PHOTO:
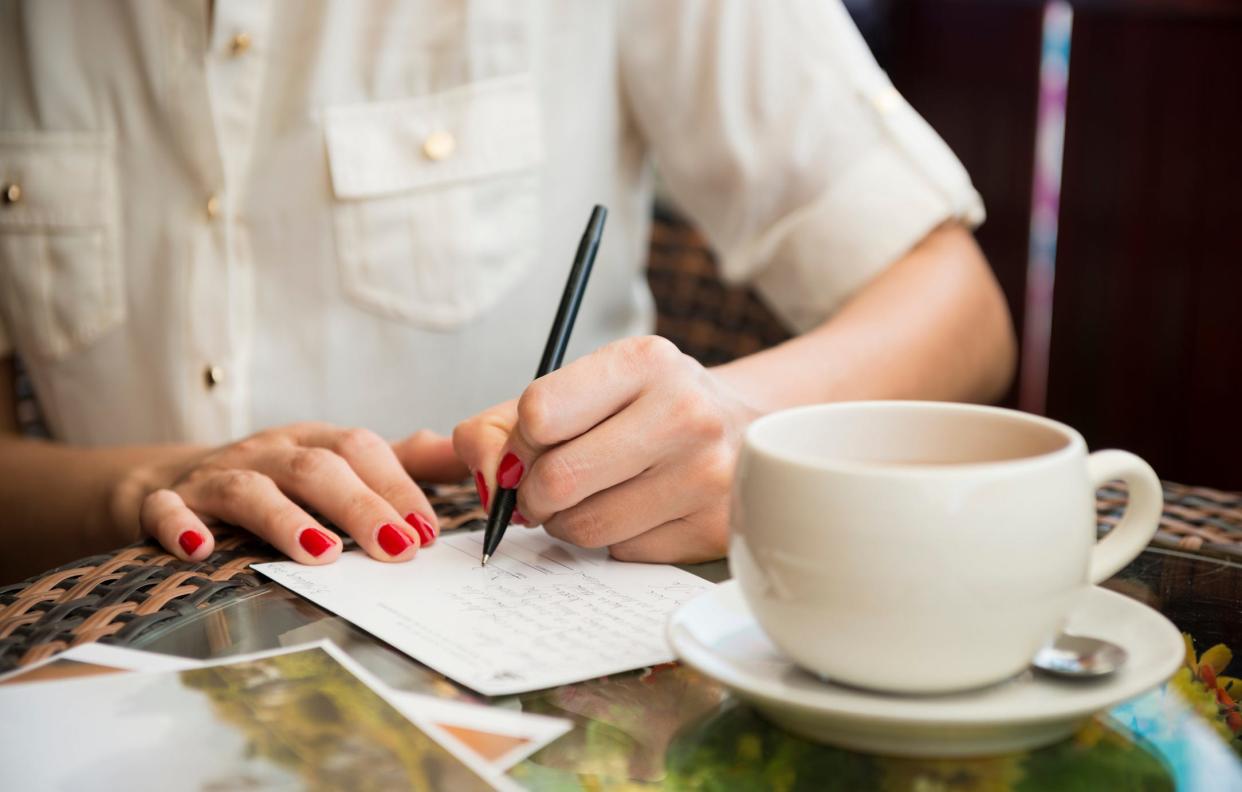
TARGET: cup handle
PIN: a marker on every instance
(1142, 515)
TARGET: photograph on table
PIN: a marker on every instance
(91, 659)
(291, 719)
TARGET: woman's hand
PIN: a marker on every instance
(266, 482)
(632, 448)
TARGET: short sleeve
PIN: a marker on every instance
(775, 130)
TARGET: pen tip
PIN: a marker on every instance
(485, 557)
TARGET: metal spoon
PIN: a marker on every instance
(1079, 657)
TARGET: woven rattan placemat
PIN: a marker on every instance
(118, 597)
(1195, 518)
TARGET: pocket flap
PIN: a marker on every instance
(63, 180)
(470, 132)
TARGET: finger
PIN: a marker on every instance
(428, 456)
(165, 517)
(251, 500)
(680, 541)
(569, 402)
(479, 441)
(326, 482)
(616, 451)
(373, 460)
(621, 512)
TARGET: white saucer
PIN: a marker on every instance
(716, 634)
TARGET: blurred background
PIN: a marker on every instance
(1106, 139)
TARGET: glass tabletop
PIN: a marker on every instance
(669, 727)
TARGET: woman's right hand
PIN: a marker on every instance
(266, 482)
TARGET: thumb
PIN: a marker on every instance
(428, 456)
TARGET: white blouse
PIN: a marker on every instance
(220, 217)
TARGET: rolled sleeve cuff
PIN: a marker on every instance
(808, 264)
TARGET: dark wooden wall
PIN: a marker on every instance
(1147, 324)
(971, 68)
(1147, 318)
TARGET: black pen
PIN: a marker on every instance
(553, 354)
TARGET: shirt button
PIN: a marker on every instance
(240, 43)
(439, 146)
(213, 207)
(213, 376)
(12, 193)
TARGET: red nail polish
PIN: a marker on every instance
(480, 484)
(190, 541)
(518, 518)
(314, 541)
(426, 533)
(509, 474)
(394, 541)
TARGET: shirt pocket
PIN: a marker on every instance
(436, 211)
(61, 283)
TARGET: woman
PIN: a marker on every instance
(230, 236)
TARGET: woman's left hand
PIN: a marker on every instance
(631, 448)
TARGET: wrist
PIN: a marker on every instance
(756, 394)
(124, 493)
(129, 483)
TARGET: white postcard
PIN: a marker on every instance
(542, 613)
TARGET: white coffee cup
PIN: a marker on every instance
(924, 547)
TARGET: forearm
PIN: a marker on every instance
(60, 502)
(57, 500)
(933, 326)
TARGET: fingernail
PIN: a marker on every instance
(314, 541)
(480, 484)
(426, 533)
(509, 474)
(518, 518)
(190, 541)
(394, 541)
